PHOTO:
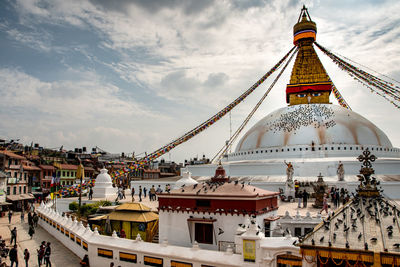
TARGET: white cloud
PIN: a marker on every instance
(197, 58)
(69, 112)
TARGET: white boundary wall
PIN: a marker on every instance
(76, 237)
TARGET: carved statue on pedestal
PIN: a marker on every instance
(340, 171)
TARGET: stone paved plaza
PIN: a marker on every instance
(60, 255)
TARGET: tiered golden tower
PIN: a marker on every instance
(309, 82)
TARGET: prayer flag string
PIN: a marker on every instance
(383, 88)
(140, 163)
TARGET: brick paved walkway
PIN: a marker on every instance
(60, 255)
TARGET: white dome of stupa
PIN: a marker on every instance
(318, 124)
(185, 180)
(103, 177)
(103, 187)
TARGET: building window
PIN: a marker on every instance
(203, 203)
(63, 174)
(63, 183)
(20, 189)
(14, 190)
(297, 231)
(267, 227)
(203, 233)
(15, 175)
(8, 190)
(67, 174)
(24, 189)
(25, 176)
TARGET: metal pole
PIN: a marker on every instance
(80, 190)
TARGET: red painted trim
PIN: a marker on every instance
(201, 220)
(311, 87)
(219, 206)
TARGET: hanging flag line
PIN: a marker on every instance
(225, 148)
(384, 75)
(388, 85)
(381, 87)
(339, 97)
(139, 164)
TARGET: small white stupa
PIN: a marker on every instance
(185, 180)
(103, 187)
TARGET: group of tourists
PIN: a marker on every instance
(43, 253)
(121, 193)
(303, 196)
(142, 192)
(339, 196)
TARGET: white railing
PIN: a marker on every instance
(102, 250)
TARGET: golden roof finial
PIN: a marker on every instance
(308, 74)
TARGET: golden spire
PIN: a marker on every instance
(309, 82)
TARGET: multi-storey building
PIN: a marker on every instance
(47, 173)
(66, 172)
(17, 181)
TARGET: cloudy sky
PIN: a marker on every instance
(133, 75)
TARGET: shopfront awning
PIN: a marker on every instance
(20, 197)
(5, 203)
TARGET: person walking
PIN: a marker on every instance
(40, 252)
(9, 216)
(144, 192)
(31, 231)
(26, 257)
(305, 198)
(90, 193)
(14, 256)
(123, 193)
(299, 196)
(152, 193)
(35, 219)
(13, 236)
(140, 193)
(47, 254)
(133, 194)
(337, 198)
(30, 217)
(325, 204)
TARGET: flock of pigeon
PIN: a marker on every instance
(369, 223)
(303, 115)
(210, 187)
